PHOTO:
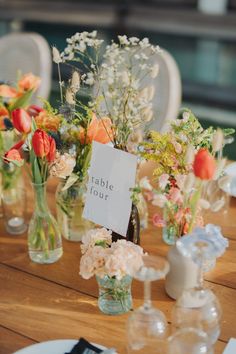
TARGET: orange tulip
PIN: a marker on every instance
(52, 150)
(8, 91)
(41, 143)
(21, 120)
(204, 165)
(29, 82)
(13, 154)
(99, 130)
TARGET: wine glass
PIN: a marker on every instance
(189, 340)
(147, 326)
(199, 307)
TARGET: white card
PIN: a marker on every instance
(230, 347)
(112, 173)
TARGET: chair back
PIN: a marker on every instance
(25, 53)
(168, 91)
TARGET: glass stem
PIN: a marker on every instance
(147, 295)
(200, 275)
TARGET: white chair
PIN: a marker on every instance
(168, 91)
(26, 52)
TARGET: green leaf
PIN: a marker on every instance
(71, 180)
(21, 102)
(16, 163)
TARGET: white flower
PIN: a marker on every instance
(150, 92)
(125, 77)
(186, 116)
(96, 236)
(217, 140)
(189, 183)
(75, 82)
(62, 166)
(159, 200)
(163, 180)
(154, 71)
(190, 154)
(145, 184)
(123, 40)
(56, 55)
(90, 79)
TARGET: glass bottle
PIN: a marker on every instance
(133, 231)
(70, 205)
(44, 237)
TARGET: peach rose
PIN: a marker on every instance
(8, 91)
(62, 166)
(29, 82)
(99, 130)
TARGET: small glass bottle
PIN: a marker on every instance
(44, 237)
(70, 205)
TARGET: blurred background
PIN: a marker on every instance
(200, 35)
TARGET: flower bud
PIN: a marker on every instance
(204, 165)
(41, 143)
(75, 82)
(21, 120)
(217, 140)
(56, 56)
(70, 97)
(52, 150)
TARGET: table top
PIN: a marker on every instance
(46, 302)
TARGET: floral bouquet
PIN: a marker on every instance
(113, 264)
(186, 164)
(113, 78)
(12, 98)
(37, 149)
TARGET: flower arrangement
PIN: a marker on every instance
(13, 98)
(118, 83)
(113, 264)
(186, 164)
(37, 150)
(119, 104)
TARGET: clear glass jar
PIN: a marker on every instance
(13, 199)
(44, 237)
(70, 205)
(114, 295)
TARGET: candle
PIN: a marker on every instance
(15, 222)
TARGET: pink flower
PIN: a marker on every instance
(159, 200)
(175, 195)
(158, 221)
(163, 180)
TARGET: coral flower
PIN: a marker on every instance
(47, 121)
(99, 130)
(8, 91)
(52, 150)
(29, 82)
(41, 143)
(14, 155)
(21, 120)
(204, 165)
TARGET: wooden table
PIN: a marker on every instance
(45, 302)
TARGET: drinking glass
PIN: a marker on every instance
(198, 307)
(189, 341)
(147, 326)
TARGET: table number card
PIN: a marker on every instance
(111, 175)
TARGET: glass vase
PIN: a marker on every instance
(70, 205)
(114, 295)
(13, 199)
(133, 231)
(44, 237)
(170, 231)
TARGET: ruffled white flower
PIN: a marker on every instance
(62, 166)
